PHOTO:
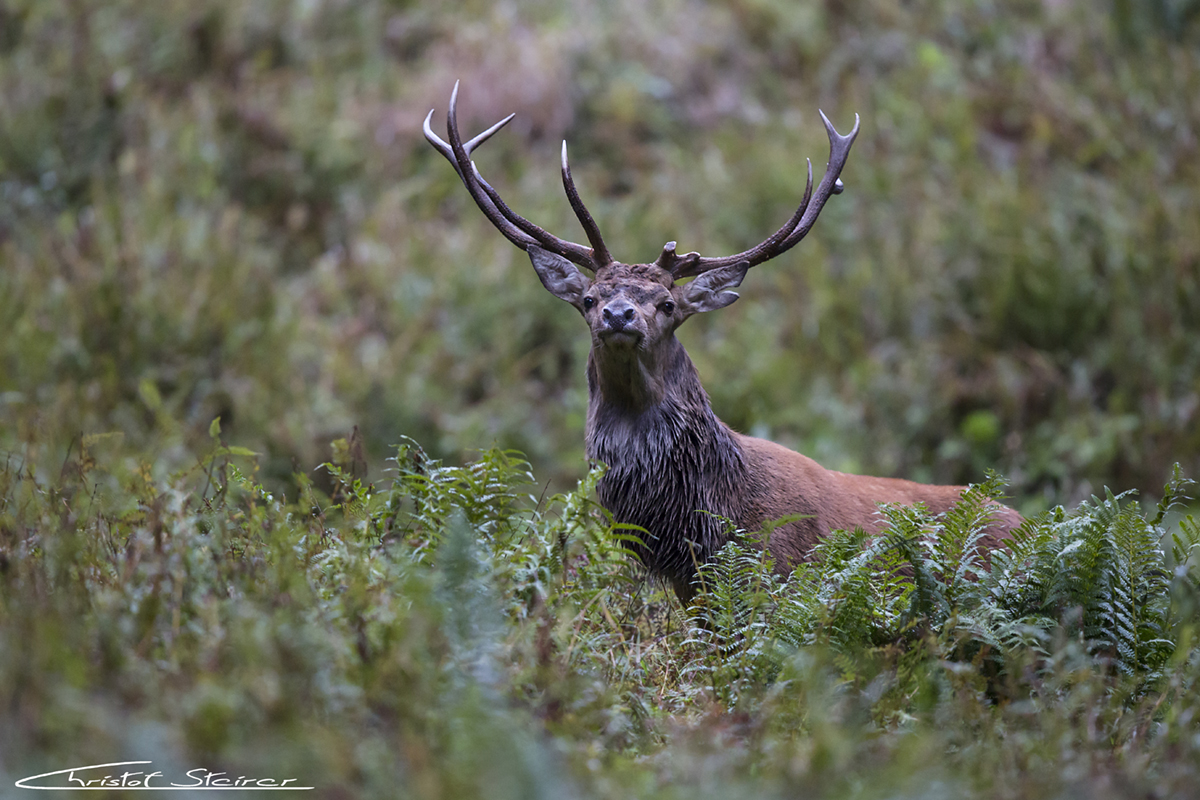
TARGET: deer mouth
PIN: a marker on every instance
(623, 338)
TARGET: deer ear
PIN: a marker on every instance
(710, 290)
(561, 278)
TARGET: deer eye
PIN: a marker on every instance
(588, 302)
(668, 307)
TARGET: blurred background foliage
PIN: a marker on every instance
(212, 209)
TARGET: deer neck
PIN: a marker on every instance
(629, 382)
(628, 379)
(668, 457)
(649, 414)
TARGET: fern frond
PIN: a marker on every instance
(1177, 491)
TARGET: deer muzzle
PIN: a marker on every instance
(619, 315)
(619, 321)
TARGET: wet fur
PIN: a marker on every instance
(670, 459)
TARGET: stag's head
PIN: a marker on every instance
(631, 307)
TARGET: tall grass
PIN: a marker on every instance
(455, 630)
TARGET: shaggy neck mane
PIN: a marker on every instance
(669, 458)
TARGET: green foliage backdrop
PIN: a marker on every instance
(212, 209)
(448, 636)
(224, 245)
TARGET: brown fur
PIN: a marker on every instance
(836, 500)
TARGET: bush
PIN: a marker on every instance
(449, 633)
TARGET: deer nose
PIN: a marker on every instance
(618, 314)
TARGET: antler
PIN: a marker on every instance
(792, 231)
(516, 228)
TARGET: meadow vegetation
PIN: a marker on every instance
(224, 246)
(451, 635)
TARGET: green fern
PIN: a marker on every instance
(926, 585)
(729, 627)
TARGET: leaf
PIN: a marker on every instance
(150, 395)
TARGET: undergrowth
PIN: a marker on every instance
(455, 632)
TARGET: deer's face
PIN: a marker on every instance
(630, 306)
(634, 306)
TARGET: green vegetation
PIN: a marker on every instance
(449, 636)
(226, 211)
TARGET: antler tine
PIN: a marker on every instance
(548, 241)
(599, 250)
(452, 151)
(444, 148)
(793, 230)
(831, 183)
(462, 161)
(515, 228)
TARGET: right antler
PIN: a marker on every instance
(516, 228)
(792, 231)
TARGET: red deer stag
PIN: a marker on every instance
(669, 458)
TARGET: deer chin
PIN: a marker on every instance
(620, 340)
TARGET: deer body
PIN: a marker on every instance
(674, 468)
(669, 458)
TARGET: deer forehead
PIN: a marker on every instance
(642, 282)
